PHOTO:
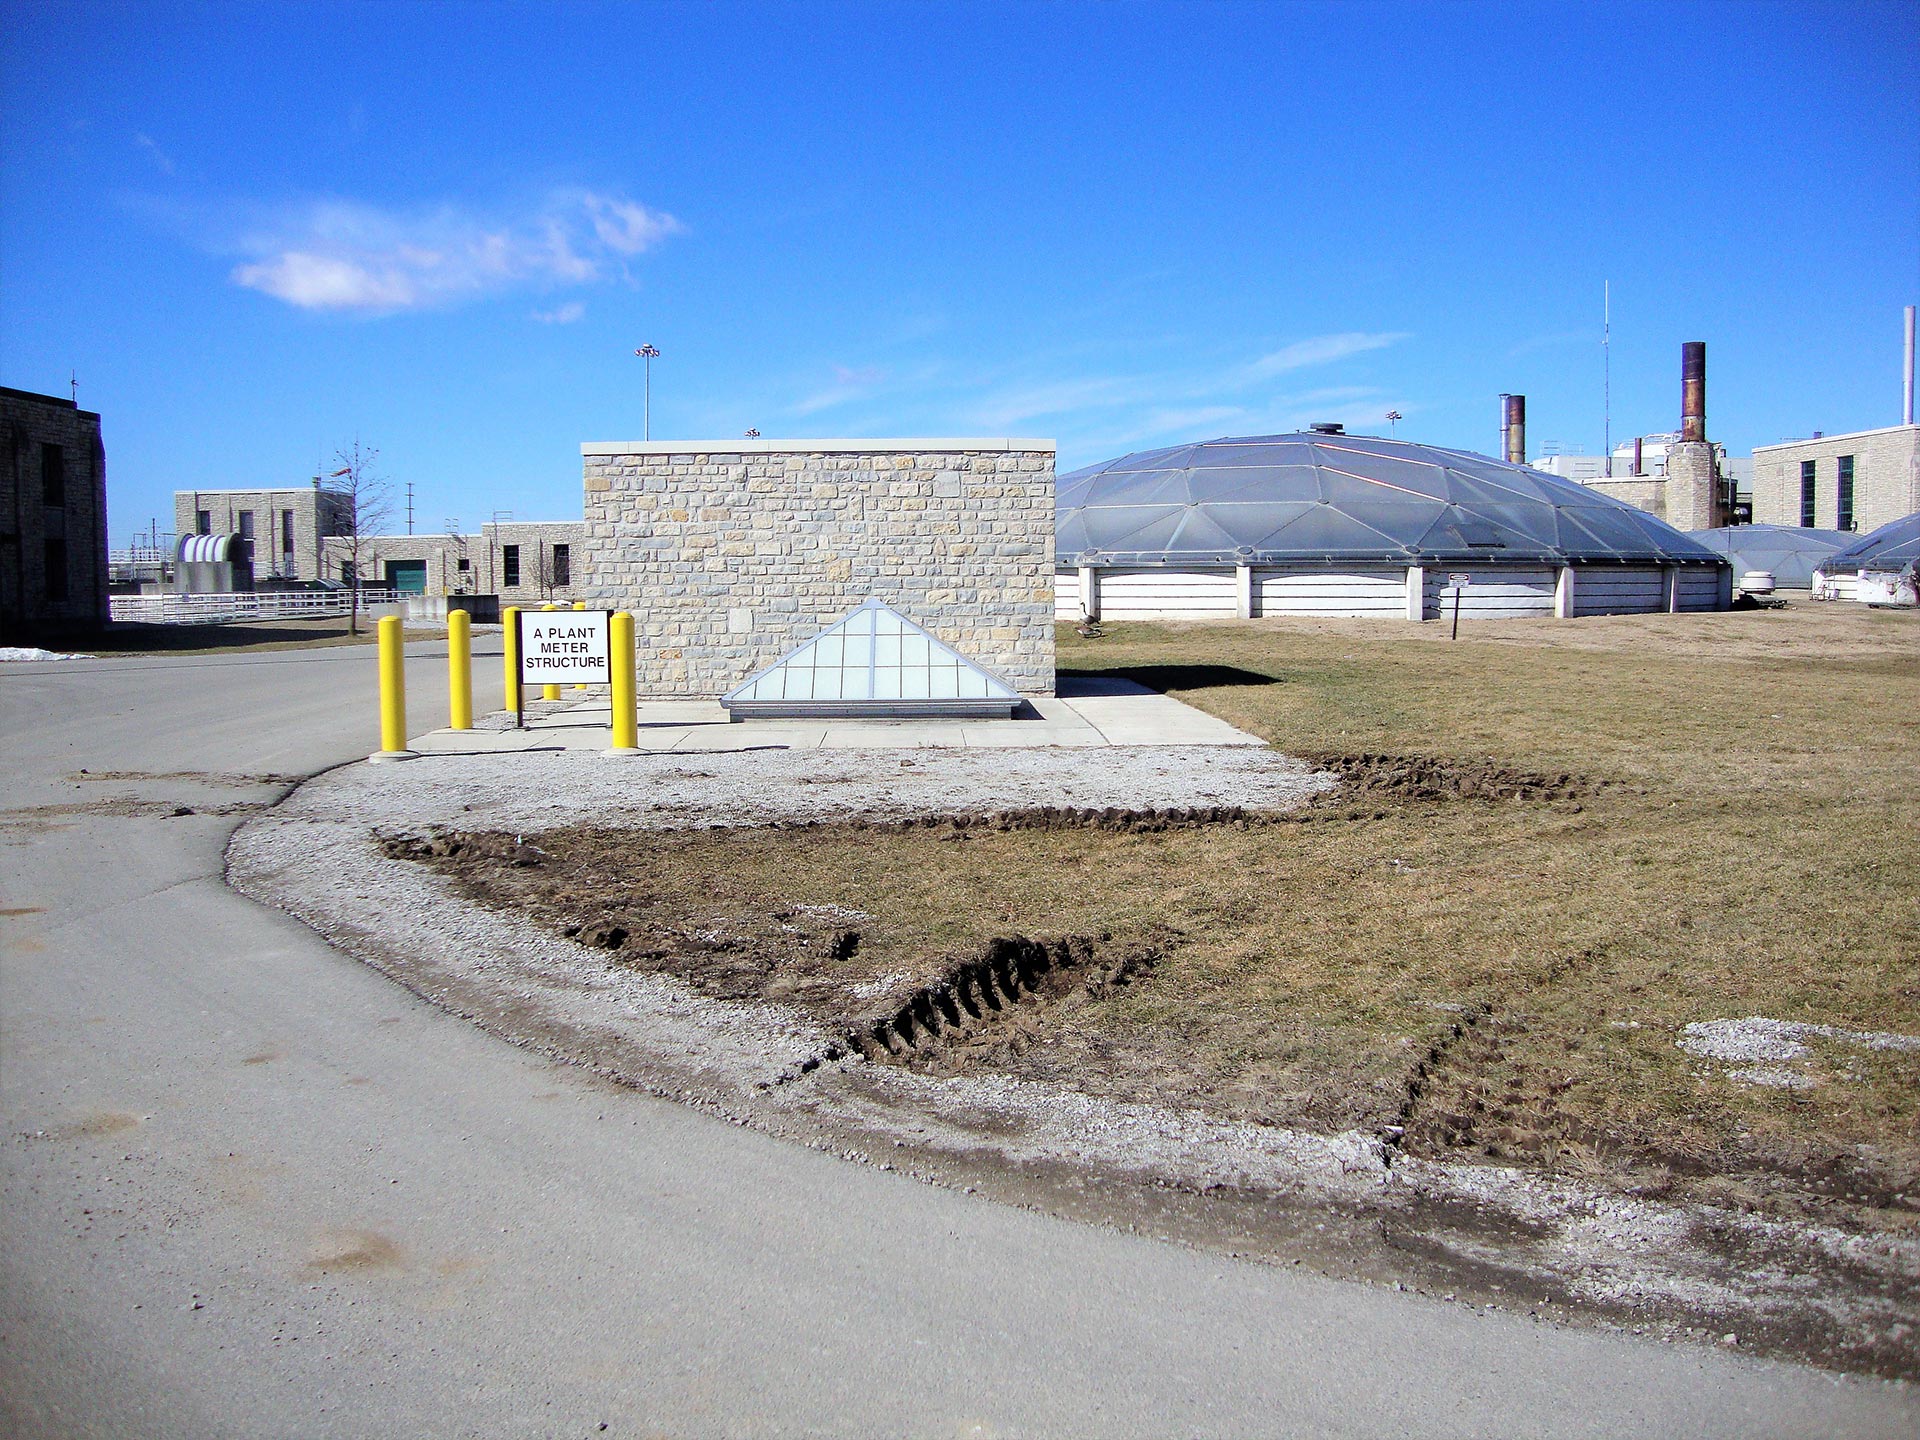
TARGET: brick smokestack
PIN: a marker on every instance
(1513, 425)
(1693, 390)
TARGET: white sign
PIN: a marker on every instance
(1459, 579)
(564, 647)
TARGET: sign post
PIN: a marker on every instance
(1457, 581)
(561, 647)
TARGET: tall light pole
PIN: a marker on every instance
(1394, 417)
(647, 353)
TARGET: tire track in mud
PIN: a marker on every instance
(1014, 976)
(1452, 1099)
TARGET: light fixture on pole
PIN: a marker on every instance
(647, 353)
(1393, 417)
(751, 435)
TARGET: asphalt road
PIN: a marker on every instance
(251, 1188)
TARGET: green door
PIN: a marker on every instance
(407, 577)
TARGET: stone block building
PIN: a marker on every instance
(53, 516)
(729, 553)
(283, 532)
(527, 562)
(1858, 481)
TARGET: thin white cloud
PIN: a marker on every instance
(345, 256)
(1319, 350)
(848, 385)
(565, 314)
(162, 161)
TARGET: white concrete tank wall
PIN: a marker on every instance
(1151, 593)
(1492, 592)
(1704, 589)
(1066, 595)
(1311, 591)
(1619, 590)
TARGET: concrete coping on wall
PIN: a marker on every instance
(808, 447)
(1835, 438)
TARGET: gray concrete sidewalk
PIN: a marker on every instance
(1087, 712)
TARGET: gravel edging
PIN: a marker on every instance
(1336, 1197)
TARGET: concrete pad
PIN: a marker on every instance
(1126, 713)
(1087, 712)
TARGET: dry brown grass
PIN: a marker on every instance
(1503, 978)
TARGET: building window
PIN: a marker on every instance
(1806, 494)
(1846, 493)
(465, 565)
(246, 524)
(509, 565)
(346, 572)
(563, 565)
(53, 475)
(203, 522)
(286, 532)
(56, 570)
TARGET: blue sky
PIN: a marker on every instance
(258, 231)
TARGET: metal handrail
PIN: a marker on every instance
(241, 605)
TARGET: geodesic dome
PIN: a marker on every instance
(1790, 553)
(1894, 546)
(1310, 497)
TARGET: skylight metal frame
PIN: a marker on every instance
(787, 689)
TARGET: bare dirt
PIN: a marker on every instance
(986, 1024)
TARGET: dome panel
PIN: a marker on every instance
(1309, 497)
(1893, 546)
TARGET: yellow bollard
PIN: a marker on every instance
(512, 616)
(549, 692)
(459, 670)
(393, 690)
(626, 716)
(579, 605)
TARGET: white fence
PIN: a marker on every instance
(225, 609)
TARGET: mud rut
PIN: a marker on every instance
(1008, 996)
(1017, 991)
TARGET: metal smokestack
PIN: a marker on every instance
(1693, 390)
(1514, 427)
(1636, 456)
(1906, 407)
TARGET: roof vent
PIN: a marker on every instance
(1327, 427)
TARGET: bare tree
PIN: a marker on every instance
(369, 507)
(543, 567)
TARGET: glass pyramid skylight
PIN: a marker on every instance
(874, 662)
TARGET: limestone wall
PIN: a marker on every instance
(1886, 478)
(729, 557)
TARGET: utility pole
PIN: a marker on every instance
(409, 507)
(648, 353)
(1606, 373)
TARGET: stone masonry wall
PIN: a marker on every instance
(1886, 478)
(729, 558)
(37, 528)
(485, 554)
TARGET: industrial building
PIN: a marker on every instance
(1680, 476)
(53, 516)
(278, 535)
(519, 562)
(1325, 523)
(732, 553)
(1858, 481)
(1854, 482)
